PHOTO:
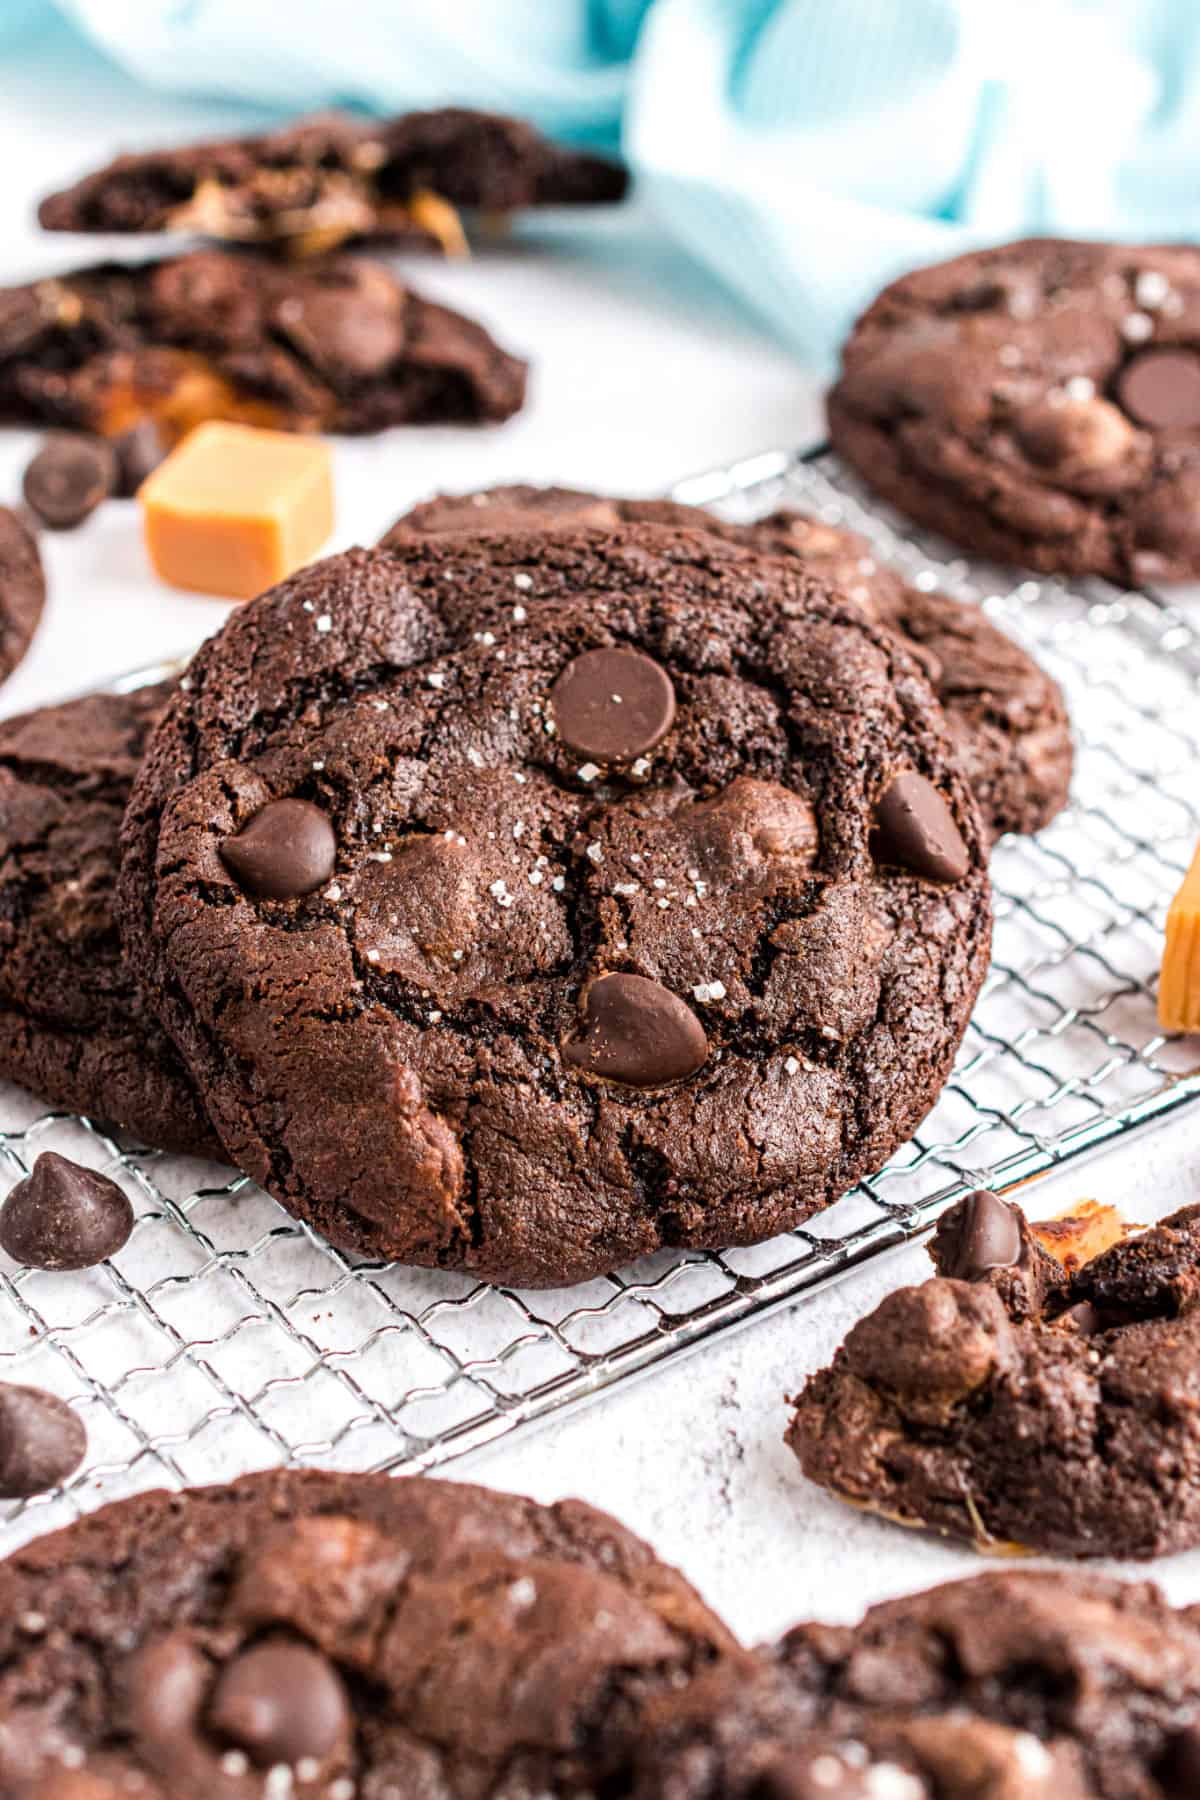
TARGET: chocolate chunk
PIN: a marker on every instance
(286, 850)
(1074, 438)
(1161, 389)
(63, 1216)
(637, 1032)
(139, 452)
(1082, 1318)
(41, 1441)
(280, 1702)
(613, 704)
(357, 331)
(987, 1236)
(915, 828)
(68, 478)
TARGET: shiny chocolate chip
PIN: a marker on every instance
(613, 705)
(980, 1234)
(286, 850)
(1161, 389)
(915, 828)
(41, 1441)
(638, 1033)
(63, 1216)
(280, 1702)
(68, 478)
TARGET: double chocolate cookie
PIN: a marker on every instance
(1005, 714)
(73, 1022)
(22, 590)
(1039, 403)
(332, 178)
(523, 904)
(336, 1637)
(1012, 1402)
(334, 345)
(1013, 1686)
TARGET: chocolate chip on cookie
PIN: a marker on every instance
(1010, 1400)
(1039, 402)
(571, 941)
(1006, 715)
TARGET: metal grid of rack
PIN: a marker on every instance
(226, 1337)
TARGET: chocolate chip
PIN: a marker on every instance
(1082, 1318)
(613, 704)
(1075, 436)
(286, 850)
(41, 1441)
(1161, 388)
(357, 329)
(915, 828)
(68, 478)
(638, 1033)
(139, 452)
(1178, 1774)
(280, 1702)
(981, 1233)
(63, 1216)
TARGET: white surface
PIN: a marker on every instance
(642, 375)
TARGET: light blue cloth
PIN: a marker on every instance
(804, 150)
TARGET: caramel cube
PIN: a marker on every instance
(1179, 983)
(233, 509)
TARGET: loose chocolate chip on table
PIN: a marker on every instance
(915, 828)
(988, 1237)
(41, 1441)
(63, 1216)
(280, 1702)
(286, 850)
(613, 704)
(139, 452)
(1161, 388)
(68, 478)
(638, 1033)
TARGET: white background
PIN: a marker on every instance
(642, 373)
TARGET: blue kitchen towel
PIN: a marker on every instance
(805, 150)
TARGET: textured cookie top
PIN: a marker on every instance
(73, 1023)
(1011, 1686)
(332, 178)
(1006, 715)
(22, 589)
(321, 1636)
(338, 344)
(1008, 1401)
(625, 893)
(1039, 402)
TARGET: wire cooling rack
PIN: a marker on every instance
(226, 1337)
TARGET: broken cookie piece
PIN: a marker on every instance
(337, 345)
(330, 179)
(1014, 1401)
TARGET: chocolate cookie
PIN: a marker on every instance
(1008, 1401)
(1039, 403)
(332, 179)
(326, 1636)
(22, 590)
(334, 345)
(523, 904)
(1006, 715)
(73, 1023)
(1005, 1687)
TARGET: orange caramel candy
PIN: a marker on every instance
(233, 510)
(1179, 984)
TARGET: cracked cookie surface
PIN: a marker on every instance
(1003, 1687)
(332, 179)
(338, 344)
(326, 1635)
(22, 590)
(1011, 1402)
(528, 1013)
(1039, 403)
(74, 1026)
(1005, 714)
